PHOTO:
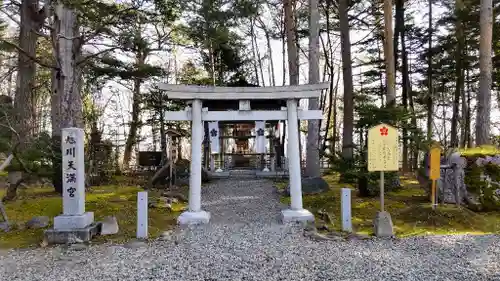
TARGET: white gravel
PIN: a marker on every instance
(245, 241)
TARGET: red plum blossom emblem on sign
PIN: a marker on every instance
(384, 131)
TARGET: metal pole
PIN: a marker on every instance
(381, 191)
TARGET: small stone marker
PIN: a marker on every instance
(346, 209)
(38, 222)
(74, 224)
(434, 172)
(142, 215)
(383, 225)
(109, 226)
(383, 155)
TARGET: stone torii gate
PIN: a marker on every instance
(197, 115)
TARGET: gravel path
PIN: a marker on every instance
(245, 241)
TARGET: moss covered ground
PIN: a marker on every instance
(112, 200)
(409, 207)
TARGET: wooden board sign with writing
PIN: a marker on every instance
(435, 163)
(383, 148)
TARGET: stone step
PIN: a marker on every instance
(242, 172)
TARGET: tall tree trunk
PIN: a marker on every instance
(9, 82)
(459, 71)
(293, 57)
(328, 73)
(67, 110)
(484, 97)
(469, 114)
(389, 54)
(211, 54)
(444, 139)
(415, 139)
(345, 43)
(284, 39)
(333, 107)
(430, 94)
(398, 29)
(259, 60)
(163, 140)
(466, 99)
(24, 107)
(270, 53)
(400, 32)
(408, 101)
(254, 54)
(283, 138)
(375, 10)
(135, 123)
(312, 157)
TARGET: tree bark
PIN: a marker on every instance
(389, 54)
(459, 72)
(293, 58)
(270, 50)
(283, 42)
(400, 32)
(333, 107)
(24, 103)
(254, 54)
(484, 97)
(163, 139)
(430, 94)
(466, 114)
(259, 60)
(67, 110)
(312, 156)
(345, 43)
(135, 122)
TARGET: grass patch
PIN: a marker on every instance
(112, 200)
(410, 210)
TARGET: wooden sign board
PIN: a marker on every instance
(383, 148)
(149, 158)
(435, 163)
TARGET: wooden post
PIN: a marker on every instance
(435, 172)
(382, 207)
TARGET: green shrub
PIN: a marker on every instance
(486, 192)
(355, 172)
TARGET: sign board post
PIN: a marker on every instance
(434, 172)
(383, 156)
